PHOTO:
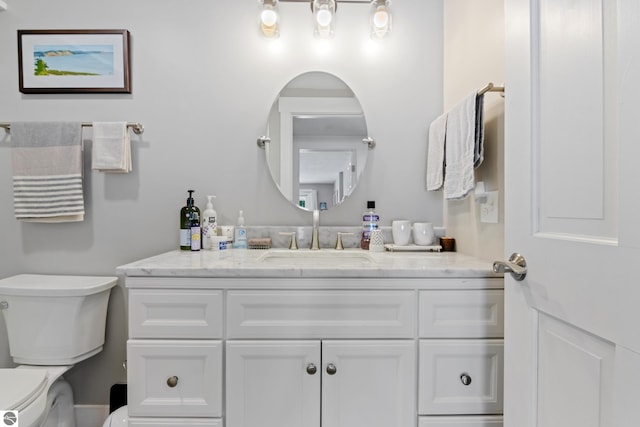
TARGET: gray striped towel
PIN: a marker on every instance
(46, 159)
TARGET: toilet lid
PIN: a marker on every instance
(44, 285)
(20, 387)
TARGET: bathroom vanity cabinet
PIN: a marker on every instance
(301, 351)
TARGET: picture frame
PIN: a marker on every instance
(74, 61)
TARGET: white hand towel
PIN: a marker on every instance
(111, 150)
(435, 153)
(460, 149)
(46, 160)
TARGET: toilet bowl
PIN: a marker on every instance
(52, 323)
(118, 418)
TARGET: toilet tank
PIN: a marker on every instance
(55, 320)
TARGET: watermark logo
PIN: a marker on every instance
(9, 418)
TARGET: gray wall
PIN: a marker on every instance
(203, 83)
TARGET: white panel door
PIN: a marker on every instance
(572, 147)
(273, 384)
(369, 383)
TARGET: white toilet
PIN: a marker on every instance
(118, 418)
(52, 323)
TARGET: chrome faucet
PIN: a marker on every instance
(293, 243)
(315, 244)
(339, 245)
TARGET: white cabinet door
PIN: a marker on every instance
(273, 384)
(279, 383)
(369, 383)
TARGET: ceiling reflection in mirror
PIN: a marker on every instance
(315, 130)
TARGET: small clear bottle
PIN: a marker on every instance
(196, 242)
(240, 238)
(370, 221)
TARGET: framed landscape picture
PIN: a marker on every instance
(74, 61)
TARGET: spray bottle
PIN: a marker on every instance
(240, 240)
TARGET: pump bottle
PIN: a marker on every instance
(186, 214)
(209, 224)
(240, 238)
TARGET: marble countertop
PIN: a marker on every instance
(326, 263)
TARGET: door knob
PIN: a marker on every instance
(311, 369)
(172, 381)
(516, 265)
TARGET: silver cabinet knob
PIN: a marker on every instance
(465, 378)
(331, 369)
(172, 381)
(311, 369)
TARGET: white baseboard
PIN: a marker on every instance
(91, 415)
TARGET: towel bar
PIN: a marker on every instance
(490, 87)
(137, 128)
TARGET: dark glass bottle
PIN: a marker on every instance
(186, 215)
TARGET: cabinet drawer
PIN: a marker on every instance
(156, 313)
(462, 314)
(321, 314)
(175, 422)
(174, 378)
(460, 377)
(466, 421)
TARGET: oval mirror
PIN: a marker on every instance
(314, 141)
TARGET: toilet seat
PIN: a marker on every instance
(29, 390)
(26, 386)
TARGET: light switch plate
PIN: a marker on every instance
(489, 209)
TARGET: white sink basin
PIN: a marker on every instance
(323, 257)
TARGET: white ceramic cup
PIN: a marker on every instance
(401, 232)
(423, 233)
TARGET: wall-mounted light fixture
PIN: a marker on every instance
(324, 12)
(380, 19)
(324, 16)
(269, 19)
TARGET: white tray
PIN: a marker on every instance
(412, 248)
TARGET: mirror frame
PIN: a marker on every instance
(289, 107)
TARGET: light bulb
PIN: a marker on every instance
(324, 17)
(269, 17)
(381, 17)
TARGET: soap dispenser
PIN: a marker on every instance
(186, 215)
(209, 224)
(240, 238)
